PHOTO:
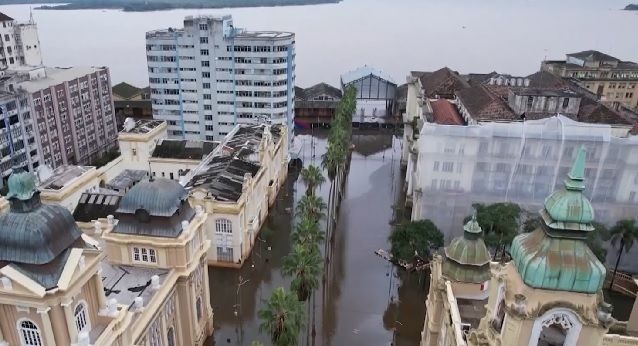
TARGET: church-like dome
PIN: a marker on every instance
(157, 197)
(467, 258)
(31, 232)
(555, 256)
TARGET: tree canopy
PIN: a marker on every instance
(415, 238)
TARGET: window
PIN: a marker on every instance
(203, 27)
(447, 167)
(155, 338)
(198, 308)
(209, 128)
(205, 74)
(81, 318)
(171, 175)
(565, 102)
(203, 51)
(29, 333)
(436, 166)
(223, 226)
(203, 40)
(206, 85)
(205, 63)
(530, 101)
(170, 336)
(144, 255)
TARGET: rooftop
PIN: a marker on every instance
(441, 83)
(308, 94)
(183, 149)
(63, 176)
(445, 113)
(125, 283)
(263, 34)
(363, 72)
(224, 177)
(58, 75)
(125, 90)
(96, 205)
(544, 92)
(140, 126)
(4, 17)
(126, 179)
(593, 55)
(483, 104)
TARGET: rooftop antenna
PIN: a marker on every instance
(31, 21)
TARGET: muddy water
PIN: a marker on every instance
(363, 300)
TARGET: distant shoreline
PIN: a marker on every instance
(632, 7)
(163, 5)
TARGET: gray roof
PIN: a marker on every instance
(160, 197)
(310, 93)
(126, 179)
(544, 92)
(594, 55)
(154, 226)
(143, 126)
(183, 149)
(63, 176)
(224, 177)
(35, 233)
(362, 72)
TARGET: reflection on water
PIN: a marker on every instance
(361, 294)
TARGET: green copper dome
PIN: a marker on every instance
(21, 185)
(467, 258)
(555, 256)
(569, 209)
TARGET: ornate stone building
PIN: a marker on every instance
(550, 293)
(140, 279)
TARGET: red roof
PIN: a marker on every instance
(445, 113)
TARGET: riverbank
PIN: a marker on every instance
(160, 5)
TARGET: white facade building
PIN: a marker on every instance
(20, 44)
(209, 76)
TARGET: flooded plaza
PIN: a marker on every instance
(363, 300)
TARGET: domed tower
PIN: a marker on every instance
(158, 234)
(50, 290)
(550, 293)
(458, 285)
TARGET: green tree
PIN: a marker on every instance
(307, 233)
(595, 241)
(312, 177)
(624, 232)
(333, 159)
(305, 265)
(282, 317)
(499, 221)
(414, 238)
(311, 206)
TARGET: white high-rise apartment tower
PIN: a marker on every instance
(20, 44)
(209, 76)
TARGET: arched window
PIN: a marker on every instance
(29, 333)
(170, 336)
(198, 308)
(223, 226)
(81, 317)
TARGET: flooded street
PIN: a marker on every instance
(363, 299)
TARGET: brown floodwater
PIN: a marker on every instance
(363, 300)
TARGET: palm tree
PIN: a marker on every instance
(312, 177)
(305, 265)
(311, 206)
(308, 234)
(625, 232)
(282, 317)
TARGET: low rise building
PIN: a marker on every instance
(376, 94)
(236, 184)
(611, 79)
(19, 44)
(141, 280)
(138, 139)
(316, 104)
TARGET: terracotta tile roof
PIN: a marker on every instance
(482, 104)
(4, 17)
(445, 113)
(595, 112)
(441, 83)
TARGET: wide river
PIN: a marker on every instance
(396, 36)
